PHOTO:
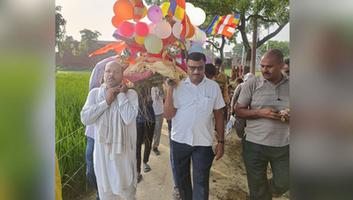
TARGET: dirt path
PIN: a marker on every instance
(227, 180)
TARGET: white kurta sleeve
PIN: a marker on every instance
(128, 106)
(154, 94)
(92, 110)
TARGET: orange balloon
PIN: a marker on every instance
(116, 21)
(124, 9)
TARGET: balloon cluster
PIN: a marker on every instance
(150, 41)
(154, 37)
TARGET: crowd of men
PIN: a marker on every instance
(119, 120)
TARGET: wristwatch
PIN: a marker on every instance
(221, 141)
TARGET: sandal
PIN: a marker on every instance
(146, 168)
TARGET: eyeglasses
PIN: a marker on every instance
(198, 68)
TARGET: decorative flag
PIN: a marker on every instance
(177, 9)
(118, 47)
(223, 25)
(188, 29)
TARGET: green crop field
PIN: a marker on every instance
(71, 93)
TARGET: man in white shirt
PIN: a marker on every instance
(112, 109)
(157, 98)
(94, 82)
(192, 105)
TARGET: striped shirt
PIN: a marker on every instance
(259, 93)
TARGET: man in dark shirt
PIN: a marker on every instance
(145, 122)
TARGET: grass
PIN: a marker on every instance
(71, 93)
(227, 72)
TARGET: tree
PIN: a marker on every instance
(281, 45)
(60, 23)
(88, 41)
(218, 46)
(69, 46)
(238, 51)
(262, 13)
(155, 2)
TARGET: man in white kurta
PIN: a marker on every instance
(112, 110)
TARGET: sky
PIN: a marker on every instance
(97, 14)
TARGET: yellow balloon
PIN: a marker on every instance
(165, 8)
(139, 39)
(144, 12)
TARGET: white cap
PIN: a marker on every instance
(196, 48)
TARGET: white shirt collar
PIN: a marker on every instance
(188, 81)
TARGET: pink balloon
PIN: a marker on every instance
(155, 14)
(142, 29)
(137, 76)
(163, 30)
(126, 29)
(152, 27)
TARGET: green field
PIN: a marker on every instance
(71, 93)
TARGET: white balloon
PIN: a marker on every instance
(177, 28)
(188, 8)
(197, 17)
(200, 36)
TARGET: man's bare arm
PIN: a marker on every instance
(169, 109)
(218, 115)
(243, 111)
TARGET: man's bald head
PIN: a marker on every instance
(113, 64)
(113, 74)
(275, 54)
(271, 65)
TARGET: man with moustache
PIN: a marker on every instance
(267, 132)
(191, 105)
